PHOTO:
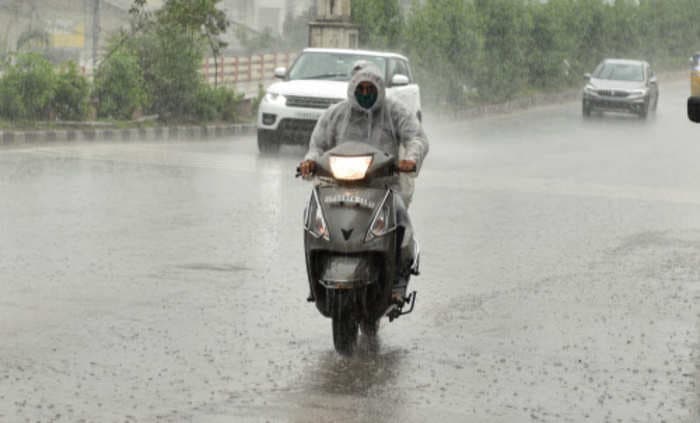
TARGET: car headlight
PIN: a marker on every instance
(638, 93)
(315, 222)
(272, 97)
(589, 89)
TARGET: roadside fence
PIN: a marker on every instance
(229, 71)
(242, 73)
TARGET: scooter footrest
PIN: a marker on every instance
(398, 310)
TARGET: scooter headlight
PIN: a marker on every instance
(315, 221)
(350, 168)
(382, 222)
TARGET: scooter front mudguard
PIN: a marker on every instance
(349, 259)
(347, 271)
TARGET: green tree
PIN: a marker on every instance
(380, 22)
(171, 61)
(201, 19)
(70, 101)
(119, 86)
(494, 50)
(504, 26)
(170, 46)
(445, 56)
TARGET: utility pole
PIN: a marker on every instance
(332, 26)
(95, 34)
(290, 8)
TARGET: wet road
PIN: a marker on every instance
(165, 282)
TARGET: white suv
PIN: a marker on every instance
(317, 79)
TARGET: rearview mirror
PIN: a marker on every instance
(280, 72)
(587, 76)
(652, 80)
(399, 80)
(694, 109)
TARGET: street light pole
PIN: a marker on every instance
(95, 34)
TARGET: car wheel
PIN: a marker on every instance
(586, 110)
(266, 142)
(643, 111)
(656, 103)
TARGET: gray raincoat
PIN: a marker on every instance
(388, 125)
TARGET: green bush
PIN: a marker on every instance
(170, 61)
(70, 101)
(27, 89)
(11, 103)
(119, 86)
(216, 104)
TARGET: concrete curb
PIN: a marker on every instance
(158, 133)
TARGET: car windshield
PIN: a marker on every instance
(619, 71)
(331, 66)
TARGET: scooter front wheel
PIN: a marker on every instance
(369, 327)
(345, 326)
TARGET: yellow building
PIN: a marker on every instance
(72, 36)
(61, 25)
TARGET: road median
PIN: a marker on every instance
(155, 133)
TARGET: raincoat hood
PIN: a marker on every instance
(367, 73)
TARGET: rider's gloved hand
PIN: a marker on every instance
(307, 168)
(407, 166)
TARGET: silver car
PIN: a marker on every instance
(621, 85)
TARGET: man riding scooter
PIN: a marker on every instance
(368, 116)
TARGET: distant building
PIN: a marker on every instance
(261, 15)
(63, 28)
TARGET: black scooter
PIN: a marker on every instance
(359, 252)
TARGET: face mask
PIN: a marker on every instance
(366, 100)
